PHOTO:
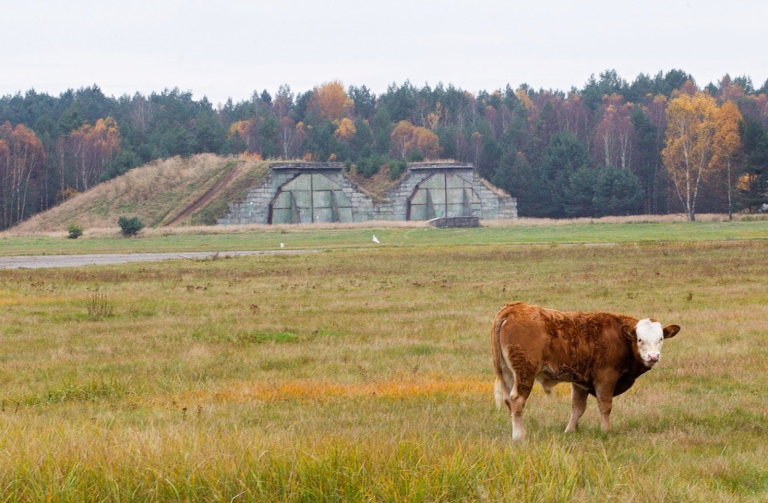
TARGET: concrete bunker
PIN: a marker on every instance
(310, 192)
(443, 195)
(308, 198)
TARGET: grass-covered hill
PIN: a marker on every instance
(174, 191)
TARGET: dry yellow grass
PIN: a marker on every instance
(323, 390)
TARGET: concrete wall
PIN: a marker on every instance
(448, 189)
(494, 203)
(254, 209)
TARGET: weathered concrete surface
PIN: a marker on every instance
(483, 200)
(298, 178)
(445, 222)
(45, 261)
(306, 192)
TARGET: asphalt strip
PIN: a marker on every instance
(44, 261)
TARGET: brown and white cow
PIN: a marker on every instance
(600, 354)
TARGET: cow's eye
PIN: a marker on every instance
(640, 342)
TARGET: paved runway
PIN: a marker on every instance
(42, 261)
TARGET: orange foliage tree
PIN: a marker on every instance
(407, 138)
(21, 156)
(92, 148)
(331, 101)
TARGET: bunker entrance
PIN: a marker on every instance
(443, 195)
(308, 198)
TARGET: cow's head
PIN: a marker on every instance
(647, 338)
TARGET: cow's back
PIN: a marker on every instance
(568, 346)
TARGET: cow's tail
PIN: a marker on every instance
(501, 389)
(499, 392)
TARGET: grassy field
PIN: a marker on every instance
(365, 374)
(296, 237)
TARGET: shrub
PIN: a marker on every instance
(369, 166)
(74, 230)
(415, 156)
(130, 226)
(396, 168)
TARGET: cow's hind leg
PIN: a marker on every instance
(578, 406)
(504, 385)
(525, 376)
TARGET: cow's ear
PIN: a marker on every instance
(629, 332)
(671, 331)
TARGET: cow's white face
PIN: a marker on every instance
(650, 338)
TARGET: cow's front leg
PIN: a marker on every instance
(604, 392)
(578, 406)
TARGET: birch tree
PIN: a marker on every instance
(687, 156)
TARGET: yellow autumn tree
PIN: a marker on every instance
(427, 142)
(345, 130)
(726, 142)
(525, 100)
(689, 148)
(407, 138)
(331, 101)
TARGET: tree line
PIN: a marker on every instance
(656, 145)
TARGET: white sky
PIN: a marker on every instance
(229, 48)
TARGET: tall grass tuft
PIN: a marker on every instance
(99, 306)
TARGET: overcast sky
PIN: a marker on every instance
(229, 48)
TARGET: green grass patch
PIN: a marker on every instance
(637, 234)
